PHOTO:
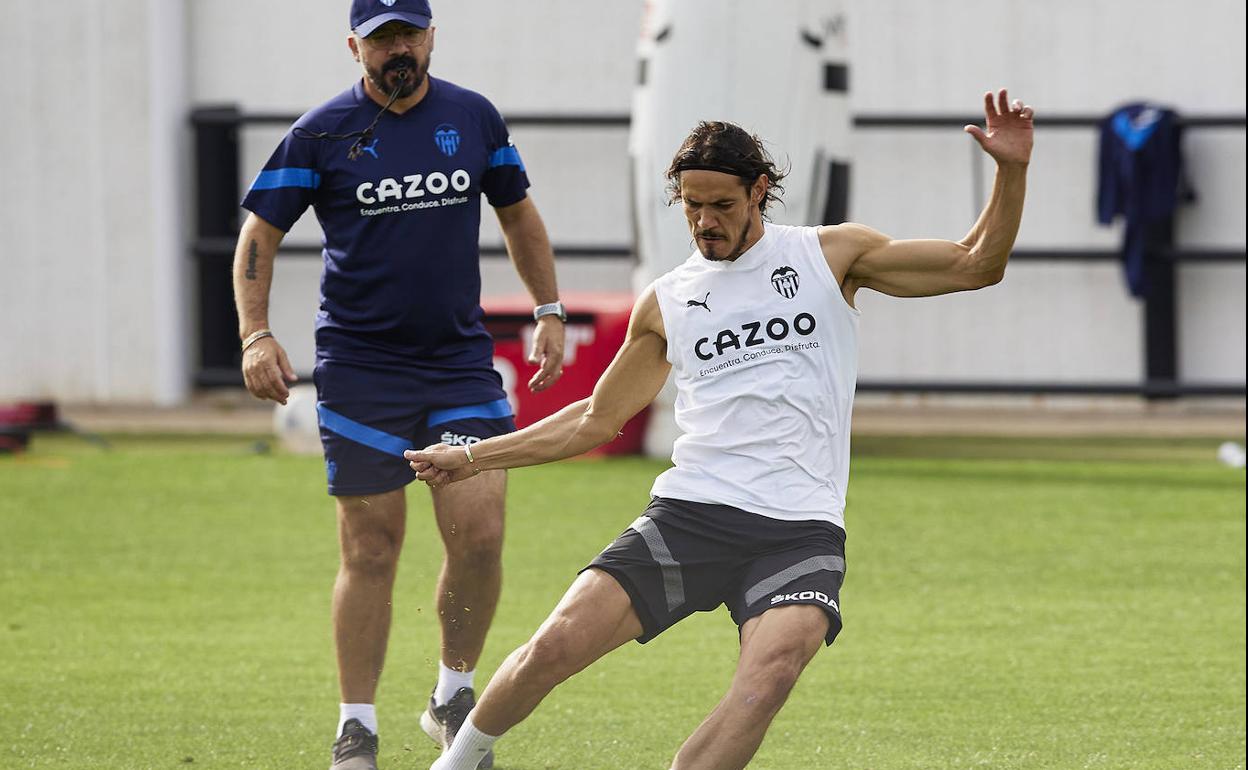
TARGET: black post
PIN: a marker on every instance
(1161, 371)
(216, 217)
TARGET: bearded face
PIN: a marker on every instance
(395, 57)
(723, 215)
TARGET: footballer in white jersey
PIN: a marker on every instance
(760, 331)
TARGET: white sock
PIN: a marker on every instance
(365, 712)
(470, 746)
(449, 682)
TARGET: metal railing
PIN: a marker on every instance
(218, 187)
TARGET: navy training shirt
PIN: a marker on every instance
(401, 283)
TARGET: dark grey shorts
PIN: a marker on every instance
(680, 557)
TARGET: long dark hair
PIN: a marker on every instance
(715, 145)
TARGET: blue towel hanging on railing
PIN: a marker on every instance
(1141, 177)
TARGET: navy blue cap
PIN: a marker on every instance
(368, 15)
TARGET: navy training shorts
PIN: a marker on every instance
(369, 416)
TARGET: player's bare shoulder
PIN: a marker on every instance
(647, 316)
(844, 244)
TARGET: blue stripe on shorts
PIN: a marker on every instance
(490, 409)
(360, 433)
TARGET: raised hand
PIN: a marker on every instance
(1009, 128)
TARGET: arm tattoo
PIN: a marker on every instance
(251, 261)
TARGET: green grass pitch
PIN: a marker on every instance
(1009, 604)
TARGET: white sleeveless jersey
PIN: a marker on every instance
(764, 351)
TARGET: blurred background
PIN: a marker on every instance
(132, 137)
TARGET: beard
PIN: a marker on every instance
(734, 251)
(387, 79)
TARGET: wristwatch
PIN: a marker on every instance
(553, 308)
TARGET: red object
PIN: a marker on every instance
(29, 414)
(597, 322)
(17, 421)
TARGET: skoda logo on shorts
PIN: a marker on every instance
(447, 138)
(784, 280)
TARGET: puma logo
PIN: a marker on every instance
(700, 303)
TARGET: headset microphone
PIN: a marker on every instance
(357, 149)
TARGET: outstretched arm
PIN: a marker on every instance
(529, 248)
(862, 257)
(631, 382)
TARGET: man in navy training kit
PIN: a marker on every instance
(758, 327)
(394, 168)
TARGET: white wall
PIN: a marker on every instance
(532, 56)
(94, 186)
(92, 303)
(1048, 321)
(1065, 56)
